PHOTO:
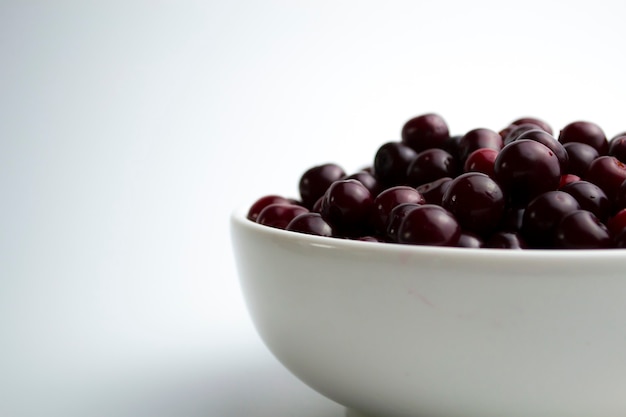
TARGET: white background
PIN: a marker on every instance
(129, 130)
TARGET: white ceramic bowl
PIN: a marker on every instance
(415, 331)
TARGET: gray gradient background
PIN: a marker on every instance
(130, 130)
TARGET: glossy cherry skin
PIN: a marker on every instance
(317, 207)
(526, 168)
(430, 165)
(469, 240)
(279, 215)
(505, 240)
(395, 218)
(476, 201)
(429, 224)
(433, 191)
(516, 131)
(617, 223)
(481, 160)
(580, 205)
(478, 139)
(316, 180)
(425, 132)
(543, 214)
(585, 132)
(391, 163)
(567, 178)
(452, 146)
(347, 207)
(617, 148)
(608, 173)
(590, 197)
(310, 223)
(387, 200)
(551, 142)
(261, 203)
(367, 179)
(534, 120)
(580, 156)
(581, 229)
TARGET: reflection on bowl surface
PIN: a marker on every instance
(412, 331)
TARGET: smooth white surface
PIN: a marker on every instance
(129, 130)
(402, 331)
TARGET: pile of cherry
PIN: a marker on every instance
(520, 188)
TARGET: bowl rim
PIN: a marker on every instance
(239, 219)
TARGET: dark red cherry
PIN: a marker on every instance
(469, 240)
(505, 240)
(617, 148)
(516, 131)
(476, 201)
(433, 191)
(526, 168)
(581, 229)
(452, 146)
(585, 132)
(347, 207)
(395, 218)
(430, 165)
(481, 160)
(310, 223)
(535, 121)
(617, 223)
(425, 132)
(316, 180)
(608, 173)
(367, 179)
(512, 219)
(279, 215)
(261, 203)
(620, 198)
(429, 224)
(543, 214)
(503, 189)
(551, 142)
(590, 197)
(317, 207)
(567, 178)
(619, 241)
(390, 198)
(580, 156)
(391, 163)
(478, 139)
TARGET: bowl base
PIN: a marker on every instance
(350, 412)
